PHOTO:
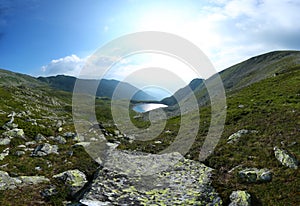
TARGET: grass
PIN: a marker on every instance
(270, 106)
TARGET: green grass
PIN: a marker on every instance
(271, 107)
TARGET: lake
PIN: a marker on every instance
(146, 107)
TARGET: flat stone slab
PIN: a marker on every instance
(170, 180)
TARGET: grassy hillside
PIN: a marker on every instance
(247, 72)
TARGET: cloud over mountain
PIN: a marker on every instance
(69, 65)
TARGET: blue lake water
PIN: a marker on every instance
(146, 107)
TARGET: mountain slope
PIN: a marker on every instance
(16, 79)
(182, 93)
(246, 73)
(258, 68)
(106, 87)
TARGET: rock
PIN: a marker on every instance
(19, 153)
(4, 141)
(74, 179)
(38, 168)
(116, 132)
(254, 175)
(83, 144)
(33, 180)
(235, 137)
(69, 135)
(14, 133)
(7, 182)
(45, 149)
(60, 140)
(12, 115)
(59, 124)
(30, 143)
(240, 198)
(9, 126)
(4, 154)
(49, 192)
(40, 138)
(286, 158)
(127, 179)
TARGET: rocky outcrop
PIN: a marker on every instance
(240, 198)
(254, 175)
(7, 182)
(74, 179)
(130, 178)
(286, 158)
(236, 136)
(45, 149)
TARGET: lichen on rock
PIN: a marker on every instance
(180, 182)
(254, 175)
(236, 136)
(75, 179)
(7, 182)
(240, 198)
(286, 158)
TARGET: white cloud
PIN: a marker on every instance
(69, 65)
(251, 27)
(230, 31)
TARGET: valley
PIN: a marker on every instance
(45, 160)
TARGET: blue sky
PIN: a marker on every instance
(49, 37)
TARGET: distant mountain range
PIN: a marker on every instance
(234, 78)
(105, 88)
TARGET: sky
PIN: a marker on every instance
(50, 37)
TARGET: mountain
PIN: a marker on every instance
(182, 93)
(244, 74)
(106, 87)
(16, 79)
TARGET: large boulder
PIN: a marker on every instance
(45, 149)
(74, 179)
(7, 182)
(240, 198)
(254, 175)
(286, 158)
(130, 178)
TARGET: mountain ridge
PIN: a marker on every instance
(245, 73)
